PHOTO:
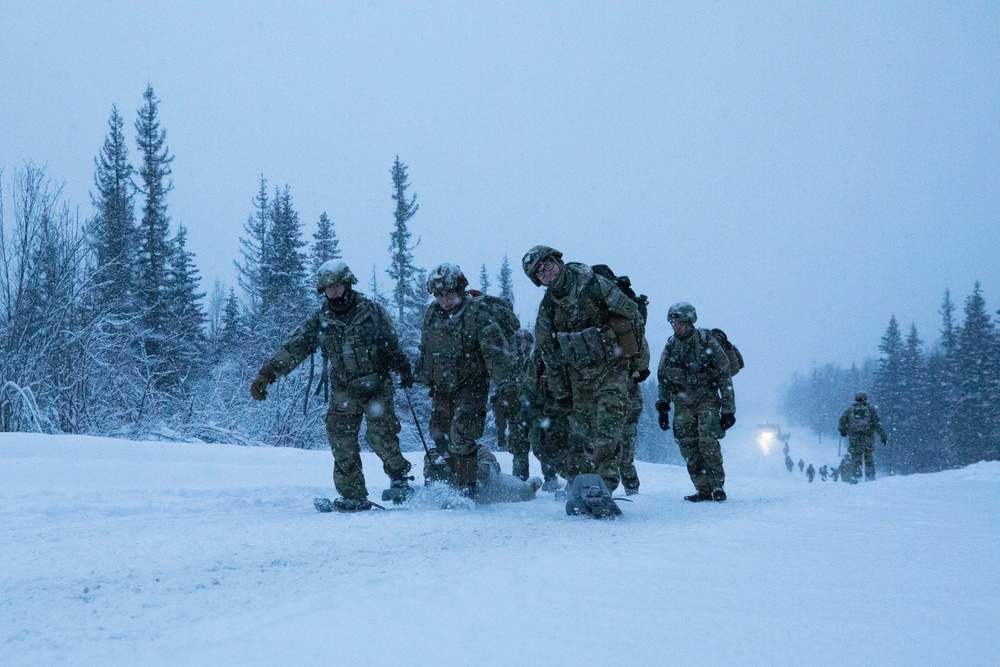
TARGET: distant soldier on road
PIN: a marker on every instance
(859, 424)
(360, 349)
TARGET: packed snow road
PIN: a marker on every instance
(117, 552)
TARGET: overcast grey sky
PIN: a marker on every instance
(799, 171)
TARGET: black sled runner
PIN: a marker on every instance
(588, 494)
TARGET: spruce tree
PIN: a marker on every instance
(888, 391)
(113, 233)
(253, 248)
(484, 279)
(285, 298)
(183, 301)
(505, 280)
(325, 244)
(401, 268)
(912, 450)
(232, 324)
(154, 244)
(976, 408)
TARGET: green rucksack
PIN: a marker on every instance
(625, 285)
(735, 357)
(502, 311)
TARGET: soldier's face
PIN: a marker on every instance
(682, 328)
(334, 291)
(448, 301)
(547, 271)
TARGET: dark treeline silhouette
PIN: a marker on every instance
(940, 407)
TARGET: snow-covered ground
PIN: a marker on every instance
(117, 552)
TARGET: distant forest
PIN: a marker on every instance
(940, 407)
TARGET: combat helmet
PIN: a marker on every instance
(331, 272)
(446, 278)
(861, 397)
(682, 310)
(534, 257)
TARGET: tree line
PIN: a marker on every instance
(941, 407)
(106, 329)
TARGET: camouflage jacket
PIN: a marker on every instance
(466, 346)
(357, 343)
(581, 322)
(861, 419)
(694, 373)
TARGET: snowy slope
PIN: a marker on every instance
(117, 552)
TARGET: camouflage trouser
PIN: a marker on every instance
(506, 416)
(494, 486)
(458, 418)
(862, 448)
(549, 438)
(600, 405)
(630, 478)
(343, 423)
(697, 435)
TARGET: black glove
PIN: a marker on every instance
(405, 380)
(640, 376)
(727, 420)
(843, 434)
(258, 388)
(884, 439)
(663, 408)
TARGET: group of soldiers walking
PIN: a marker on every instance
(569, 391)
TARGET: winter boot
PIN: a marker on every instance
(719, 495)
(588, 494)
(631, 492)
(399, 491)
(464, 473)
(341, 505)
(699, 497)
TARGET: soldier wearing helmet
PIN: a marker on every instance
(694, 375)
(587, 333)
(360, 349)
(859, 423)
(461, 349)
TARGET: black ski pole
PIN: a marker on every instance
(416, 421)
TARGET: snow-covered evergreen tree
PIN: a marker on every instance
(977, 403)
(184, 303)
(253, 249)
(285, 298)
(484, 279)
(113, 233)
(401, 268)
(505, 280)
(325, 245)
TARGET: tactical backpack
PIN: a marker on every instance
(625, 285)
(859, 420)
(502, 310)
(735, 357)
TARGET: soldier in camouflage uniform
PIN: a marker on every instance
(360, 349)
(587, 332)
(694, 376)
(546, 423)
(630, 478)
(461, 349)
(859, 424)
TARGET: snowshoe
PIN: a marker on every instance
(588, 494)
(699, 497)
(719, 495)
(341, 505)
(399, 491)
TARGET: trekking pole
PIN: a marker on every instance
(416, 421)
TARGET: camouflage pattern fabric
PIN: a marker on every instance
(693, 376)
(360, 349)
(511, 435)
(548, 430)
(629, 475)
(459, 354)
(584, 362)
